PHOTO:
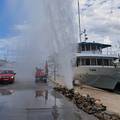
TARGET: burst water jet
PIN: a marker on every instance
(51, 29)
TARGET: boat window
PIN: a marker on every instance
(87, 61)
(78, 61)
(106, 62)
(83, 62)
(93, 47)
(111, 63)
(99, 61)
(87, 47)
(79, 48)
(97, 47)
(83, 47)
(93, 61)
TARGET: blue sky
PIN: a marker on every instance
(96, 17)
(11, 15)
(3, 23)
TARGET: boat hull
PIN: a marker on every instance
(98, 76)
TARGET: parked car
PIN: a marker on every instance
(7, 76)
(40, 76)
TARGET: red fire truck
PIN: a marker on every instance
(40, 75)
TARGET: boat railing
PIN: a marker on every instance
(93, 52)
(112, 53)
(109, 53)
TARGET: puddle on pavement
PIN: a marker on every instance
(43, 103)
(6, 91)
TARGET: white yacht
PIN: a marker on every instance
(97, 68)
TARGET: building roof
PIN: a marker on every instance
(96, 44)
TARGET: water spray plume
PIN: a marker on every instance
(52, 29)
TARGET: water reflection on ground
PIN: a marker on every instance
(37, 103)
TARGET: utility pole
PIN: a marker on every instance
(54, 74)
(55, 109)
(111, 9)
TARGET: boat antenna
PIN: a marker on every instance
(111, 9)
(79, 17)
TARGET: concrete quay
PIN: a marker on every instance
(109, 99)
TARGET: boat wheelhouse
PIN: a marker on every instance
(95, 65)
(91, 53)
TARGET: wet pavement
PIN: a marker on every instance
(30, 101)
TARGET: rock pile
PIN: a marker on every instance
(106, 116)
(87, 104)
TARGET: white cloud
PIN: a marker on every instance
(21, 27)
(101, 18)
(8, 47)
(82, 2)
(107, 40)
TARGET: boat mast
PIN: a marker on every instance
(79, 18)
(111, 9)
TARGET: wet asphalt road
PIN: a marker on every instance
(30, 101)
